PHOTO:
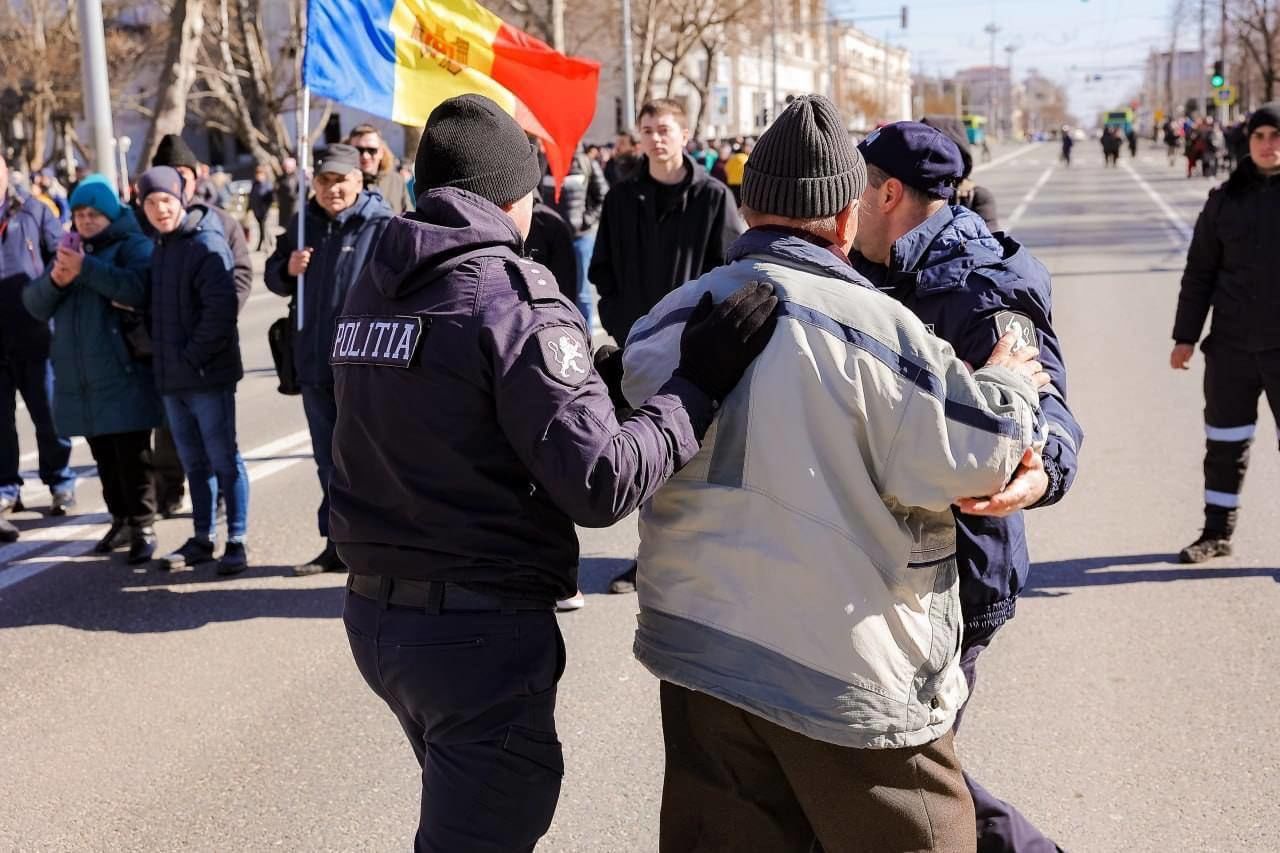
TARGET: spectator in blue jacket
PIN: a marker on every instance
(29, 235)
(197, 365)
(344, 222)
(103, 390)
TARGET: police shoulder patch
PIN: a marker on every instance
(1012, 321)
(381, 341)
(565, 354)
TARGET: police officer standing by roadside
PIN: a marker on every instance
(971, 288)
(472, 433)
(1231, 268)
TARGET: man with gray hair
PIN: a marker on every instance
(801, 608)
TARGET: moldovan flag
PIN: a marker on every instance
(400, 58)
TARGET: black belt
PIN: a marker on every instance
(436, 596)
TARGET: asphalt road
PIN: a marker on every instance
(1128, 707)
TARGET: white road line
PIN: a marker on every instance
(76, 537)
(1174, 218)
(1029, 197)
(1027, 148)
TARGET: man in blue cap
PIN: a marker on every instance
(971, 287)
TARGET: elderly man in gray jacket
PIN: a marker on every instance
(798, 585)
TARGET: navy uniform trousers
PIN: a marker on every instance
(1233, 382)
(475, 692)
(1001, 827)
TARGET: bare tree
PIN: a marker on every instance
(672, 32)
(186, 28)
(40, 71)
(1257, 26)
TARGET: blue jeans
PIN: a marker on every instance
(33, 378)
(203, 424)
(322, 413)
(583, 245)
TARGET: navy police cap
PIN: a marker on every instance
(918, 155)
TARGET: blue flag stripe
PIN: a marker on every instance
(351, 53)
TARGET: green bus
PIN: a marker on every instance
(1123, 119)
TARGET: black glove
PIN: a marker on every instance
(608, 361)
(720, 341)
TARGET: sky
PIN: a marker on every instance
(1062, 39)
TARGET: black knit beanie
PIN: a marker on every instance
(1267, 114)
(803, 166)
(472, 144)
(173, 151)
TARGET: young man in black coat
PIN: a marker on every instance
(668, 223)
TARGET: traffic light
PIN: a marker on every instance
(1218, 80)
(904, 17)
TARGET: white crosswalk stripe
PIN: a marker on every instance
(74, 537)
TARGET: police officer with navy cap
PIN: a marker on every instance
(472, 433)
(971, 288)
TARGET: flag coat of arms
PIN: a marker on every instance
(400, 58)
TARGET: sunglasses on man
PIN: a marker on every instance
(369, 152)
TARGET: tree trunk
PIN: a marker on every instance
(703, 88)
(170, 114)
(557, 25)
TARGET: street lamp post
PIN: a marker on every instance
(992, 30)
(628, 70)
(1010, 50)
(97, 96)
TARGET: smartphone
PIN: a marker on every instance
(71, 242)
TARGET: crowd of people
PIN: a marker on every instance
(741, 283)
(1205, 142)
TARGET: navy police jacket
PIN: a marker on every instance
(970, 287)
(472, 429)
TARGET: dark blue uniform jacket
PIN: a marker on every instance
(473, 430)
(971, 286)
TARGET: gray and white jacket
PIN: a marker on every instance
(802, 565)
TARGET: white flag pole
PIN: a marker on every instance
(304, 162)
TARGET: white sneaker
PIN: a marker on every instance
(577, 601)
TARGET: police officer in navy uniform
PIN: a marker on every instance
(472, 433)
(1230, 276)
(970, 287)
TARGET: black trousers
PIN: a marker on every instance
(1233, 382)
(475, 693)
(124, 467)
(737, 782)
(170, 478)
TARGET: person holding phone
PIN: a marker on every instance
(102, 390)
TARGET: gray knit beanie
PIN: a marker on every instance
(803, 166)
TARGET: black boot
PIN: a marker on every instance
(1210, 544)
(326, 561)
(142, 546)
(117, 537)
